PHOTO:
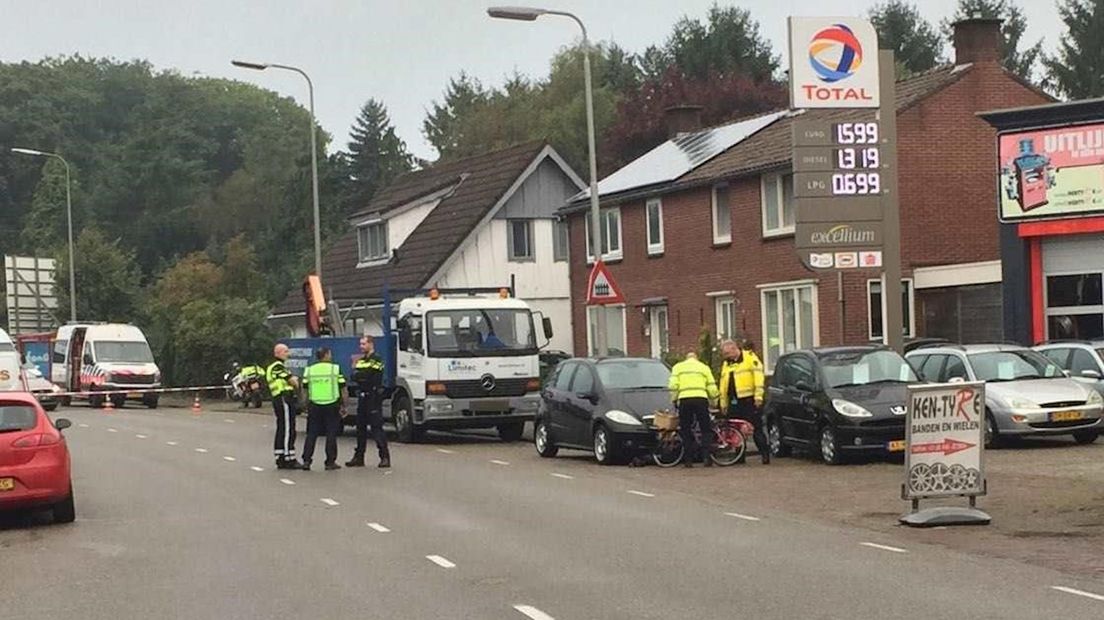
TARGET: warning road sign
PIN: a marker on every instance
(601, 289)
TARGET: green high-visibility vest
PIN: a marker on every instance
(323, 381)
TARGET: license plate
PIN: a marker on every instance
(7, 484)
(134, 394)
(897, 446)
(1065, 416)
(490, 406)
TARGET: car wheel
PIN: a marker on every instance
(95, 402)
(150, 401)
(65, 511)
(542, 440)
(774, 439)
(992, 435)
(118, 401)
(1085, 437)
(66, 401)
(604, 449)
(50, 406)
(404, 422)
(829, 446)
(511, 432)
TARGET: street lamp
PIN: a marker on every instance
(528, 14)
(69, 215)
(257, 66)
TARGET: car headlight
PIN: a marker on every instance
(622, 417)
(1017, 402)
(850, 409)
(1094, 398)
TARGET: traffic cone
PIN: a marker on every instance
(196, 409)
(108, 406)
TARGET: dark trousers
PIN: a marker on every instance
(323, 419)
(745, 409)
(369, 413)
(284, 444)
(691, 411)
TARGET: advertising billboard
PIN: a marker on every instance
(1051, 173)
(833, 63)
(945, 437)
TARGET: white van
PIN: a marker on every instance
(105, 357)
(9, 365)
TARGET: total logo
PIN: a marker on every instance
(835, 54)
(834, 63)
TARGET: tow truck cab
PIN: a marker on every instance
(463, 361)
(105, 357)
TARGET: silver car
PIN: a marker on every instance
(1025, 393)
(1082, 359)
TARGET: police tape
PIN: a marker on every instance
(138, 391)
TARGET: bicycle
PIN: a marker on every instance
(729, 444)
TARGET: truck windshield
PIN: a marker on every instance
(480, 332)
(108, 351)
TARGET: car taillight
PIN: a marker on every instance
(37, 440)
(533, 385)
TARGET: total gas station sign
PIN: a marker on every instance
(833, 63)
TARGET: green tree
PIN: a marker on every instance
(444, 126)
(1077, 70)
(208, 335)
(1013, 25)
(47, 224)
(107, 276)
(376, 154)
(916, 44)
(727, 41)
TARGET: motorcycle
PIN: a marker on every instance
(244, 385)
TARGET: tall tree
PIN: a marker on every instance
(108, 278)
(1013, 25)
(916, 44)
(444, 124)
(376, 154)
(47, 222)
(727, 41)
(1077, 71)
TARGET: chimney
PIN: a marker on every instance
(682, 119)
(977, 40)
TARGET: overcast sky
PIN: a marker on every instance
(400, 51)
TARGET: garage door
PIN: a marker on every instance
(1073, 287)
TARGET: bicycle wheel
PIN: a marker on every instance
(730, 445)
(668, 450)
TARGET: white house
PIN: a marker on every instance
(472, 222)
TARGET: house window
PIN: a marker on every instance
(610, 235)
(778, 207)
(1075, 306)
(372, 241)
(655, 226)
(615, 329)
(520, 240)
(726, 318)
(559, 241)
(875, 310)
(657, 326)
(789, 319)
(722, 215)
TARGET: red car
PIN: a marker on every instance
(34, 459)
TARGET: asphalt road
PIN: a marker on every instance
(183, 516)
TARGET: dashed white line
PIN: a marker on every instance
(170, 443)
(201, 450)
(83, 425)
(113, 430)
(446, 451)
(229, 458)
(440, 561)
(564, 476)
(498, 462)
(255, 468)
(740, 516)
(532, 612)
(884, 547)
(142, 436)
(228, 420)
(1095, 597)
(287, 481)
(329, 502)
(379, 528)
(641, 493)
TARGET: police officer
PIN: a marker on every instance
(368, 383)
(323, 380)
(281, 386)
(741, 386)
(692, 389)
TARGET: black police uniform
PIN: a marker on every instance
(368, 379)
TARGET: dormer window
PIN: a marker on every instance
(372, 241)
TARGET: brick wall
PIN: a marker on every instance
(948, 215)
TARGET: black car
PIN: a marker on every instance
(838, 402)
(601, 405)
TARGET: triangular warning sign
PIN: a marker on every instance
(601, 289)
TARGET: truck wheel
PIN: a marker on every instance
(404, 422)
(119, 401)
(150, 401)
(95, 401)
(511, 432)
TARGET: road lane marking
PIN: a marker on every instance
(201, 450)
(446, 451)
(564, 476)
(229, 458)
(884, 547)
(142, 436)
(498, 462)
(641, 493)
(744, 517)
(83, 425)
(228, 420)
(532, 612)
(287, 482)
(440, 561)
(170, 443)
(329, 502)
(113, 430)
(1096, 597)
(379, 528)
(255, 468)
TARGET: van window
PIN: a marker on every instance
(61, 349)
(6, 347)
(107, 351)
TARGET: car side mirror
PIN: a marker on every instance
(590, 396)
(88, 358)
(546, 323)
(62, 424)
(1090, 374)
(804, 386)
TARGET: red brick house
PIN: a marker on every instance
(699, 231)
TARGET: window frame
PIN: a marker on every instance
(372, 259)
(783, 230)
(624, 326)
(718, 238)
(779, 288)
(511, 247)
(1069, 311)
(611, 255)
(561, 241)
(718, 305)
(870, 316)
(654, 247)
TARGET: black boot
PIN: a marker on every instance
(385, 462)
(356, 461)
(305, 466)
(332, 466)
(765, 455)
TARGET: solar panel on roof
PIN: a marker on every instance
(676, 157)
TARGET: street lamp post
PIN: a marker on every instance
(313, 148)
(69, 216)
(529, 14)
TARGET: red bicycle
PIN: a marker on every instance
(729, 444)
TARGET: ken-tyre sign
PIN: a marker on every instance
(833, 63)
(945, 433)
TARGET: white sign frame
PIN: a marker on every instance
(949, 459)
(823, 68)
